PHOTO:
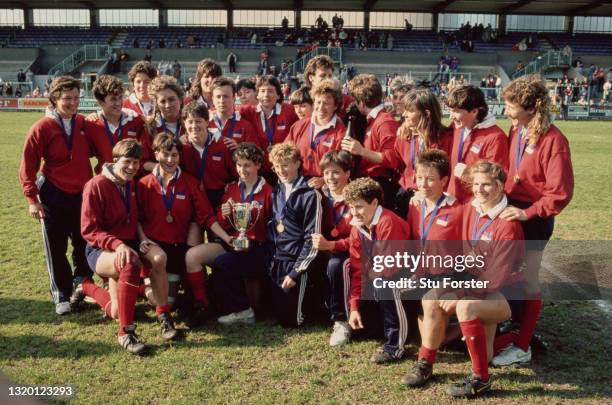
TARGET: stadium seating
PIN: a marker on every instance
(207, 36)
(34, 37)
(584, 44)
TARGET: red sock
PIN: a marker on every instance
(503, 341)
(428, 354)
(127, 294)
(161, 309)
(197, 284)
(99, 294)
(531, 313)
(476, 342)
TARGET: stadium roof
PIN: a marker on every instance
(548, 7)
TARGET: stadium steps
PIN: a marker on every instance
(119, 39)
(421, 72)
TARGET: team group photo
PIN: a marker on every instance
(292, 203)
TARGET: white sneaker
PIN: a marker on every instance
(511, 355)
(62, 308)
(341, 334)
(246, 316)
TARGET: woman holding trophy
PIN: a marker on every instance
(247, 207)
(168, 199)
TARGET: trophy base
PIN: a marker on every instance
(241, 245)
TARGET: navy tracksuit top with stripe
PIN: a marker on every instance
(301, 217)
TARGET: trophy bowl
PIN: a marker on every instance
(241, 214)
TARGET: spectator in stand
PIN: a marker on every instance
(286, 91)
(606, 91)
(319, 22)
(519, 66)
(162, 43)
(123, 58)
(179, 44)
(149, 44)
(36, 93)
(232, 60)
(407, 25)
(285, 22)
(264, 67)
(135, 43)
(454, 64)
(21, 77)
(29, 76)
(177, 70)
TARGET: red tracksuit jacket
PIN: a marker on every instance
(261, 210)
(312, 150)
(497, 244)
(190, 204)
(380, 136)
(405, 153)
(545, 173)
(218, 169)
(278, 124)
(105, 221)
(385, 226)
(486, 142)
(443, 229)
(242, 130)
(132, 127)
(337, 215)
(132, 103)
(68, 171)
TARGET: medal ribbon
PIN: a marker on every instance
(362, 238)
(109, 133)
(269, 129)
(232, 124)
(477, 233)
(127, 198)
(337, 215)
(283, 204)
(202, 159)
(521, 144)
(177, 134)
(425, 229)
(242, 187)
(168, 202)
(314, 142)
(68, 139)
(461, 143)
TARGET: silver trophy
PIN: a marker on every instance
(241, 214)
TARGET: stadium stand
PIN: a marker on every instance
(34, 37)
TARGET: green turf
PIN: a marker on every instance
(264, 363)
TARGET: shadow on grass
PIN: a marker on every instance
(21, 311)
(36, 346)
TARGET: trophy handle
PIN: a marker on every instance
(231, 216)
(256, 218)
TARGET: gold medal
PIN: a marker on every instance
(517, 178)
(169, 218)
(335, 233)
(280, 227)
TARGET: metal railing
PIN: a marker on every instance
(299, 65)
(77, 58)
(23, 86)
(551, 59)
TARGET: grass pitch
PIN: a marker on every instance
(265, 363)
